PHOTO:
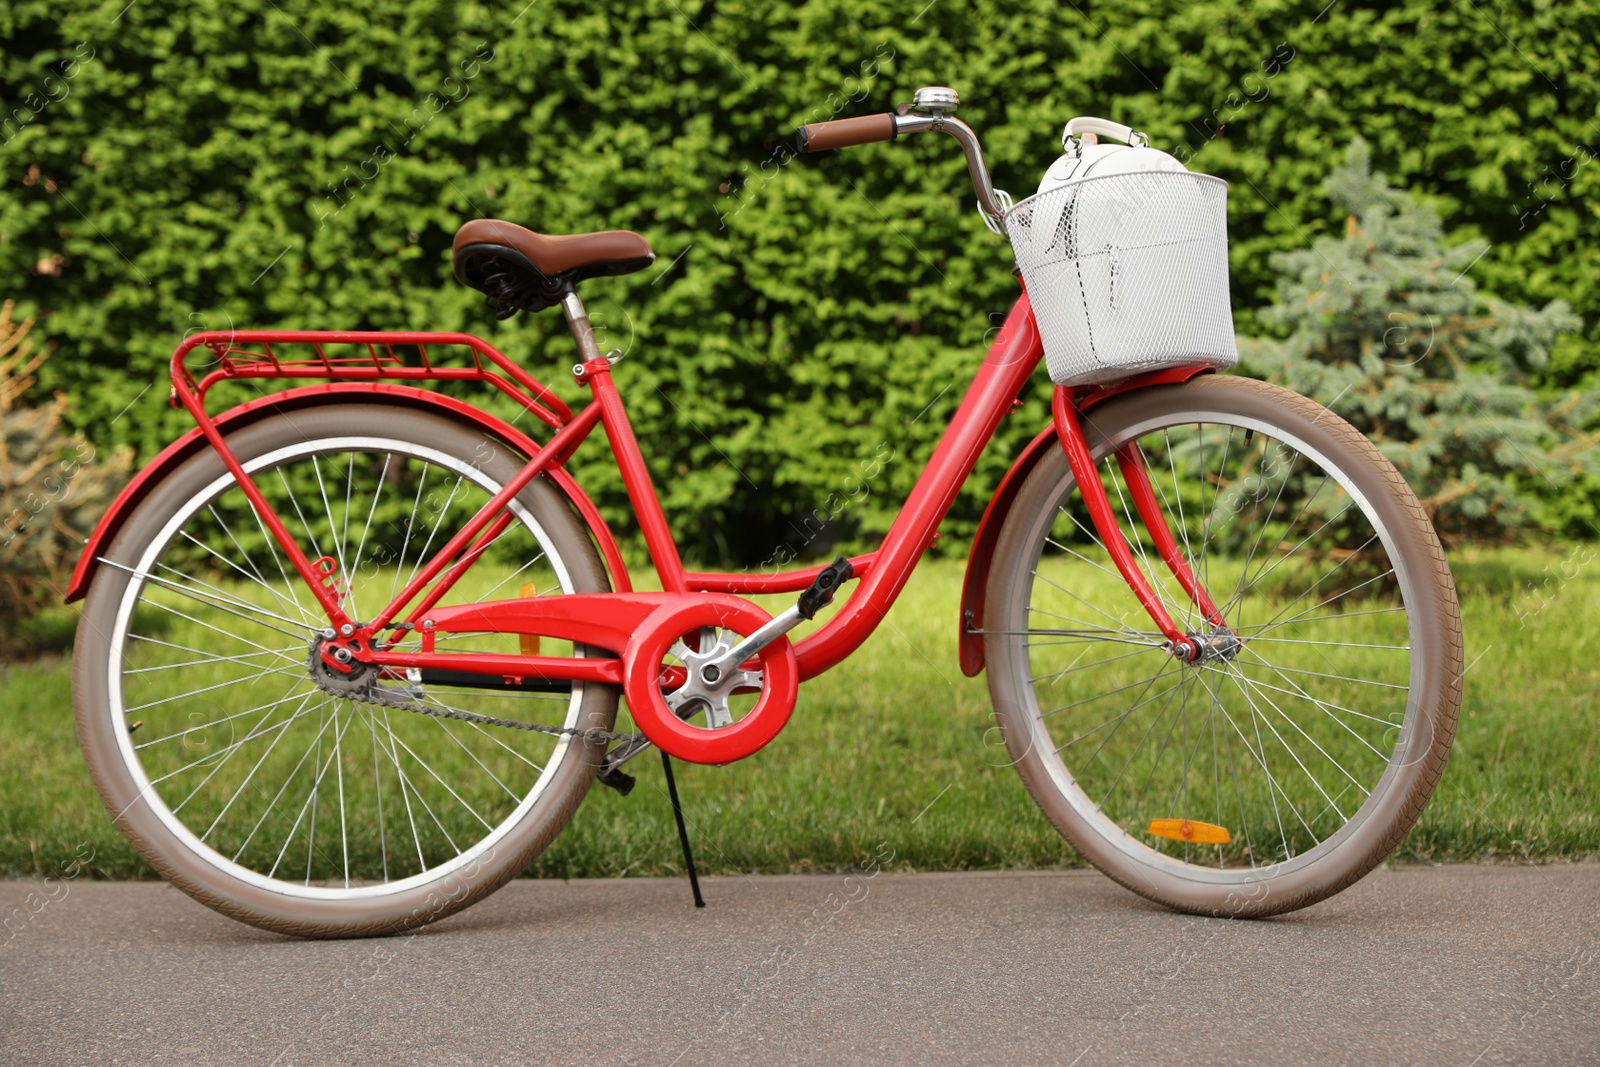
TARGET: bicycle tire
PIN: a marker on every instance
(141, 802)
(1279, 868)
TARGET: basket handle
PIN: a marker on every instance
(1103, 128)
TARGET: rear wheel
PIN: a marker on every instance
(1291, 757)
(260, 793)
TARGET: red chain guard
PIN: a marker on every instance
(696, 744)
(643, 626)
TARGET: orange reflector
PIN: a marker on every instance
(530, 642)
(1187, 830)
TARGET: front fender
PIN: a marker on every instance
(975, 587)
(307, 396)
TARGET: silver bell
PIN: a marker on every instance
(935, 99)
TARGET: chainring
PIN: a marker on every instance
(659, 713)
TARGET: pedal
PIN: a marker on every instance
(611, 772)
(617, 779)
(819, 594)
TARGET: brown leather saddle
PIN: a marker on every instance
(521, 270)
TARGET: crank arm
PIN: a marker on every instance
(818, 595)
(623, 752)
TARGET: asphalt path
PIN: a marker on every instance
(1451, 965)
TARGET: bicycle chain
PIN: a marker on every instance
(372, 694)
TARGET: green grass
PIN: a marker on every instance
(896, 748)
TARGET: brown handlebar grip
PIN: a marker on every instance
(842, 133)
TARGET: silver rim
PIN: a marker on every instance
(255, 770)
(1290, 741)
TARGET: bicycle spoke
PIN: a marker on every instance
(1155, 580)
(203, 660)
(394, 754)
(253, 575)
(1331, 644)
(237, 744)
(1083, 667)
(1274, 622)
(514, 574)
(1090, 626)
(410, 524)
(512, 793)
(273, 804)
(257, 614)
(212, 724)
(233, 750)
(1274, 789)
(438, 521)
(240, 790)
(436, 702)
(1335, 677)
(1160, 714)
(1135, 706)
(1255, 543)
(1099, 696)
(400, 775)
(1243, 684)
(1085, 603)
(310, 802)
(377, 784)
(1323, 706)
(297, 675)
(366, 527)
(294, 502)
(419, 761)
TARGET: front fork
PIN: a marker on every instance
(1131, 463)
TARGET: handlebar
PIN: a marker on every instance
(845, 133)
(871, 129)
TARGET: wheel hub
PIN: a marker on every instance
(335, 666)
(1220, 645)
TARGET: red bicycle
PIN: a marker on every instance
(351, 652)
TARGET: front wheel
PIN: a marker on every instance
(1288, 759)
(252, 787)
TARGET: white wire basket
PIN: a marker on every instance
(1127, 273)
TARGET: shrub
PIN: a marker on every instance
(53, 488)
(291, 163)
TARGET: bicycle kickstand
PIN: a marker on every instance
(683, 830)
(818, 595)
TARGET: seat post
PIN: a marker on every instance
(578, 322)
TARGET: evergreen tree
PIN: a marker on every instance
(1385, 327)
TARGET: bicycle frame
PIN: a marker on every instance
(606, 619)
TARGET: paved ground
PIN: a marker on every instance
(1460, 965)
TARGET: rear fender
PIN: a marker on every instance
(254, 411)
(974, 590)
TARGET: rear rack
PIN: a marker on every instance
(360, 355)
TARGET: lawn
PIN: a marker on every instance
(896, 747)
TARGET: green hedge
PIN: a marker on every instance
(810, 323)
